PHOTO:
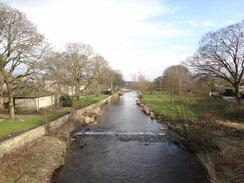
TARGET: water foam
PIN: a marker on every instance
(120, 133)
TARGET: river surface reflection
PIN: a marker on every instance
(127, 146)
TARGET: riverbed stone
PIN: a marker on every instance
(87, 119)
(152, 115)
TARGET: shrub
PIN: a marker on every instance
(106, 92)
(229, 92)
(6, 105)
(16, 109)
(66, 101)
(199, 132)
(196, 127)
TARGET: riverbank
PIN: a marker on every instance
(36, 161)
(219, 143)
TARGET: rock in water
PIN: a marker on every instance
(82, 145)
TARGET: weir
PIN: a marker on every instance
(118, 133)
(125, 145)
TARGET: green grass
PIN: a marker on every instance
(87, 100)
(186, 107)
(25, 122)
(224, 163)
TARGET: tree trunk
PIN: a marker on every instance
(58, 95)
(98, 92)
(1, 97)
(160, 86)
(11, 101)
(180, 87)
(171, 96)
(237, 94)
(1, 92)
(77, 92)
(111, 86)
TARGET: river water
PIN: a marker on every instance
(127, 146)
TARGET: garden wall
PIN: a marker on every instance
(34, 103)
(13, 143)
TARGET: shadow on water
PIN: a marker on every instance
(127, 146)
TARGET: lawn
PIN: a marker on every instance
(184, 107)
(25, 121)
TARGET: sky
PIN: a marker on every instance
(145, 36)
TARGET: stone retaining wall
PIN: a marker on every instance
(16, 142)
(13, 143)
(58, 122)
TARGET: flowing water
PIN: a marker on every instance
(127, 146)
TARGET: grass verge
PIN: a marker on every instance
(205, 124)
(26, 121)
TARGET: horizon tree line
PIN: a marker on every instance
(24, 52)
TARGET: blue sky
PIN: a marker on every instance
(133, 35)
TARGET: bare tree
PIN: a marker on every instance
(141, 82)
(118, 79)
(221, 54)
(175, 78)
(54, 67)
(80, 65)
(158, 83)
(21, 46)
(100, 68)
(107, 78)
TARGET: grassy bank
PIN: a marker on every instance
(25, 121)
(213, 127)
(184, 106)
(36, 161)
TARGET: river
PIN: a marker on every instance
(124, 146)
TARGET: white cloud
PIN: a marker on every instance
(151, 30)
(182, 47)
(231, 22)
(102, 23)
(204, 23)
(151, 62)
(109, 26)
(191, 23)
